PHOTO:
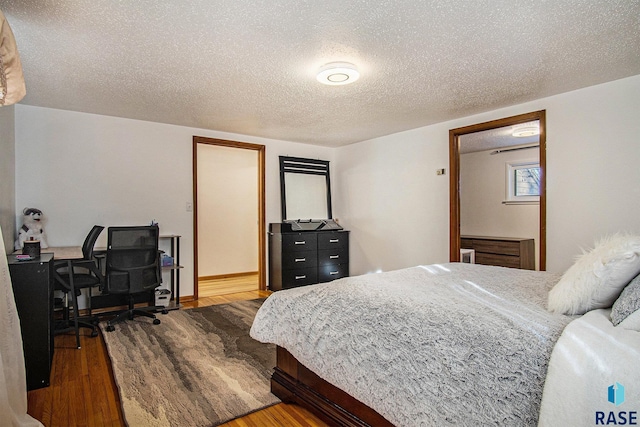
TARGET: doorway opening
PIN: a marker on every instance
(455, 136)
(228, 216)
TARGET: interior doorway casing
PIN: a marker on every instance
(260, 150)
(454, 180)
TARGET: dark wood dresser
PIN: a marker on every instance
(502, 251)
(306, 257)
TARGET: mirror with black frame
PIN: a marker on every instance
(305, 189)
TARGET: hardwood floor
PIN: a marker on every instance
(278, 415)
(83, 391)
(226, 285)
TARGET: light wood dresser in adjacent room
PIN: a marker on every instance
(502, 251)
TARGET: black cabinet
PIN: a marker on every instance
(308, 257)
(33, 292)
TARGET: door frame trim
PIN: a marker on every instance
(262, 254)
(454, 180)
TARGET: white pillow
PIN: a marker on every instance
(598, 276)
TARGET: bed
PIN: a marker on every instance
(444, 344)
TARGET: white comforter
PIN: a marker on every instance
(452, 344)
(591, 355)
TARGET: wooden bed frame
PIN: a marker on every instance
(292, 382)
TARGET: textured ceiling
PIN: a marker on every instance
(249, 66)
(496, 138)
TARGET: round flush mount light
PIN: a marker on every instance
(525, 130)
(338, 73)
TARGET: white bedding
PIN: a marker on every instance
(591, 355)
(450, 344)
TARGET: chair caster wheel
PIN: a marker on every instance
(110, 328)
(156, 321)
(164, 312)
(94, 333)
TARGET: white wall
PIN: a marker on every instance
(7, 177)
(482, 191)
(84, 169)
(594, 179)
(392, 200)
(398, 208)
(227, 210)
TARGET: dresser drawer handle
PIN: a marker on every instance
(333, 273)
(334, 240)
(300, 259)
(300, 242)
(300, 277)
(334, 256)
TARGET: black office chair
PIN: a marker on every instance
(133, 269)
(73, 275)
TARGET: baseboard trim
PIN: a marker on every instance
(227, 276)
(187, 298)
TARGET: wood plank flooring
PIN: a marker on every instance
(83, 391)
(224, 286)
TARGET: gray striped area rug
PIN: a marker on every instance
(199, 367)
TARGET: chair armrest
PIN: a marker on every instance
(58, 277)
(86, 263)
(71, 263)
(63, 262)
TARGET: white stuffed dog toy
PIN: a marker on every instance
(31, 228)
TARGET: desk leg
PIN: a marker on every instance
(177, 273)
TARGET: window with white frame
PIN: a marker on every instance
(522, 182)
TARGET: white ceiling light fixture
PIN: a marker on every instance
(338, 73)
(528, 129)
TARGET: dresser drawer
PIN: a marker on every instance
(299, 277)
(499, 260)
(299, 259)
(299, 242)
(328, 273)
(307, 257)
(502, 251)
(502, 247)
(333, 256)
(333, 240)
(466, 243)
